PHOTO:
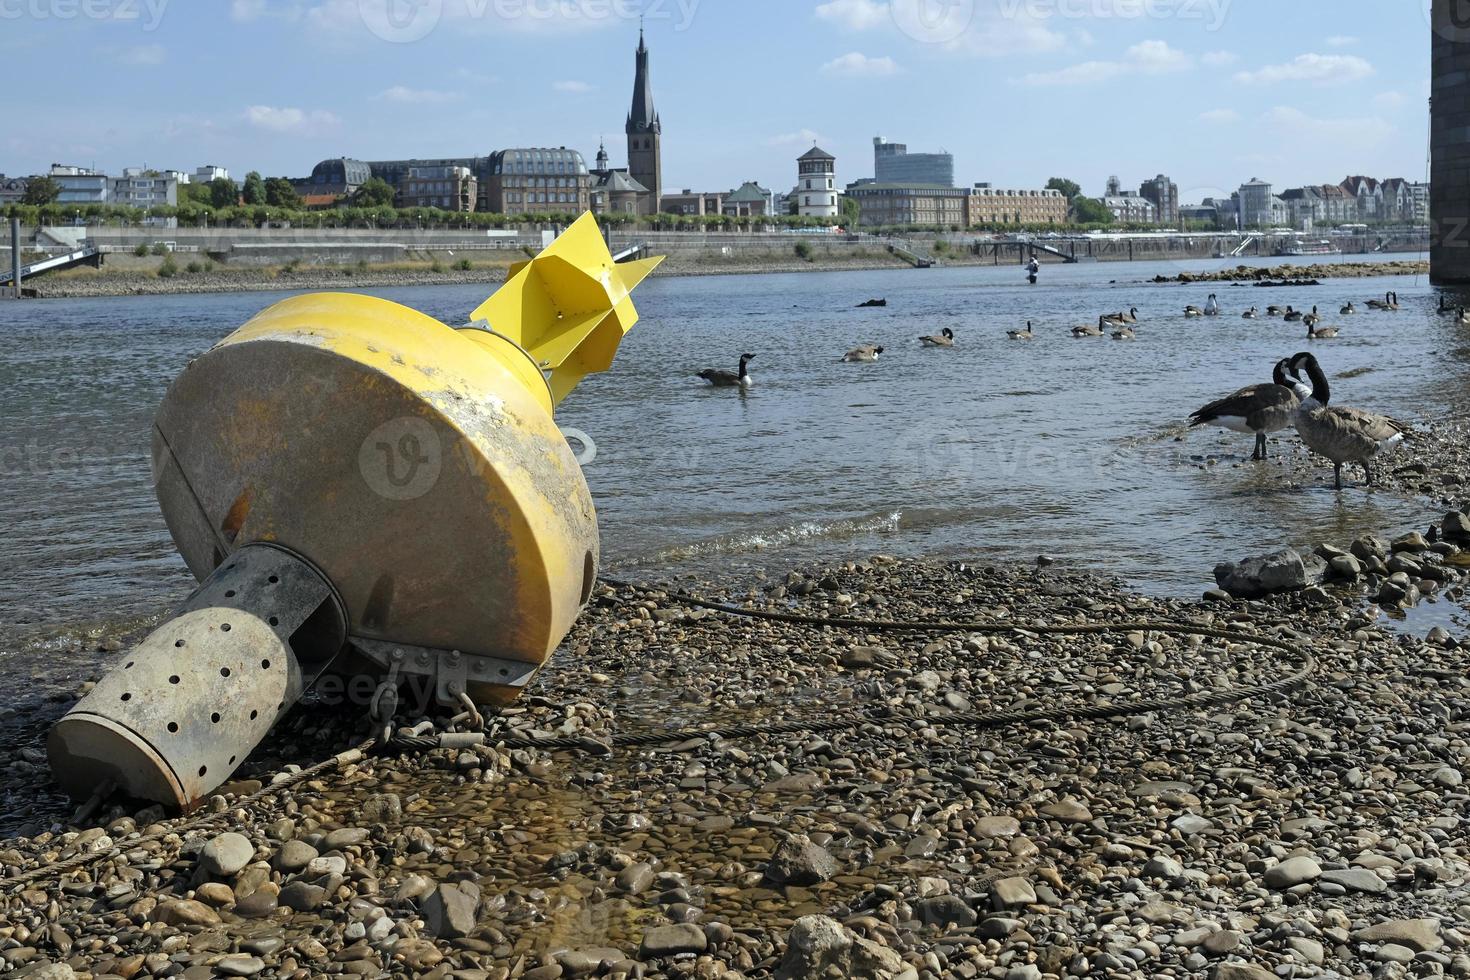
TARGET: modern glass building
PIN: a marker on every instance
(894, 164)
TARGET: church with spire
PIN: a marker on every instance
(638, 188)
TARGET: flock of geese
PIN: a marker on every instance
(1298, 395)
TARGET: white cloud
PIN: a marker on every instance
(289, 120)
(1348, 134)
(858, 65)
(1389, 101)
(1146, 58)
(1341, 41)
(854, 15)
(247, 10)
(1320, 69)
(403, 95)
(571, 86)
(800, 137)
(144, 55)
(1219, 59)
(1219, 116)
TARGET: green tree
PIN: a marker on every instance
(852, 212)
(1090, 211)
(279, 193)
(1069, 188)
(42, 190)
(254, 190)
(376, 193)
(223, 192)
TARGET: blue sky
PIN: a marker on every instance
(1211, 92)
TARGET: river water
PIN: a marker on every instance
(994, 448)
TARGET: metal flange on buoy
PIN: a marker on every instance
(365, 493)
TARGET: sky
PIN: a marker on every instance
(1210, 92)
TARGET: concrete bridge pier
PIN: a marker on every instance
(1449, 127)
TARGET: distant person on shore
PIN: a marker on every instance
(1033, 269)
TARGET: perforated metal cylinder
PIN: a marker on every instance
(186, 706)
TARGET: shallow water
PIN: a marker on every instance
(995, 448)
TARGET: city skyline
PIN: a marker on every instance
(1183, 96)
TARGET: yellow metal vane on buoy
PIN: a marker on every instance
(343, 472)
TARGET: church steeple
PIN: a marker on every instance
(643, 118)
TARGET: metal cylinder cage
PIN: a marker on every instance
(187, 705)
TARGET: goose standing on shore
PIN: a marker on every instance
(730, 379)
(945, 338)
(1260, 409)
(1027, 334)
(1342, 435)
(1249, 314)
(865, 354)
(1091, 330)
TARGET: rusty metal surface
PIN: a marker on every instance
(186, 706)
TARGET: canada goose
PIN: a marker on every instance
(1390, 301)
(1090, 330)
(1124, 333)
(1249, 314)
(1463, 317)
(1274, 310)
(866, 353)
(1130, 317)
(730, 379)
(1343, 435)
(1291, 315)
(1027, 334)
(944, 339)
(1193, 311)
(1312, 319)
(1349, 310)
(1256, 408)
(1393, 301)
(1320, 333)
(1212, 306)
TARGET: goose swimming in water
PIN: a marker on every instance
(944, 339)
(1212, 306)
(1349, 310)
(1342, 435)
(864, 354)
(1130, 317)
(1312, 319)
(1320, 333)
(1260, 409)
(1249, 314)
(1091, 330)
(1463, 317)
(1193, 311)
(1274, 310)
(1291, 315)
(1390, 301)
(1027, 334)
(1124, 333)
(730, 379)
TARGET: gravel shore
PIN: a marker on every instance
(1319, 833)
(1301, 273)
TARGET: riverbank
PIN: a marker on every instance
(130, 276)
(1317, 831)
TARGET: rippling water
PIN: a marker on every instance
(1058, 446)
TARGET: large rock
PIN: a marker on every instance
(814, 946)
(1456, 526)
(945, 910)
(798, 861)
(1241, 971)
(451, 911)
(226, 855)
(1420, 935)
(1281, 571)
(1292, 872)
(663, 941)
